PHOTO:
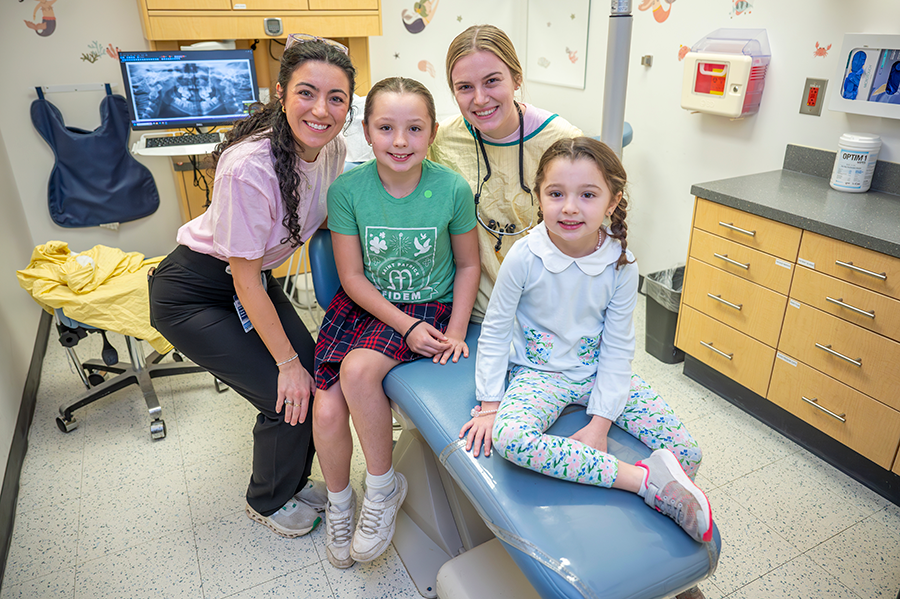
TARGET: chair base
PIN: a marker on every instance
(140, 371)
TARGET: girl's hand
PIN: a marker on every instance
(457, 347)
(295, 388)
(479, 432)
(589, 435)
(427, 341)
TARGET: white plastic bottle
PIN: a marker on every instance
(855, 162)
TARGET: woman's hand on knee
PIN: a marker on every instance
(295, 388)
(479, 433)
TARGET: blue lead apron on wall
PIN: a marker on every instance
(95, 180)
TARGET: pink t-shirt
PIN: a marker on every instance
(244, 219)
(532, 118)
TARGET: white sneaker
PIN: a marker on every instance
(339, 534)
(314, 494)
(377, 521)
(669, 490)
(294, 519)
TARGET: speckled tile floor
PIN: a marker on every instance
(104, 512)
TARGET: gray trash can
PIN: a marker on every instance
(663, 291)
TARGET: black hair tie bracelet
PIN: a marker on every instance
(410, 329)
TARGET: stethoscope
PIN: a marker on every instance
(496, 230)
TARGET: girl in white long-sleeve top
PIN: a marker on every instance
(564, 300)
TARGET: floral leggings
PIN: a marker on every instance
(534, 401)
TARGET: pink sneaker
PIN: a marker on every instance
(668, 490)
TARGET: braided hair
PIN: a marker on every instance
(612, 169)
(270, 122)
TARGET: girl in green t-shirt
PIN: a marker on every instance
(406, 249)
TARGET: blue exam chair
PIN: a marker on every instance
(568, 540)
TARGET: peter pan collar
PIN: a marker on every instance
(555, 261)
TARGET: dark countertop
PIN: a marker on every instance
(870, 220)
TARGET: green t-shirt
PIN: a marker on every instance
(405, 242)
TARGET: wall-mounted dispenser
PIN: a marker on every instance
(725, 72)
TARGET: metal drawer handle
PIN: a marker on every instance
(815, 403)
(839, 301)
(856, 362)
(730, 261)
(738, 229)
(882, 276)
(718, 351)
(726, 302)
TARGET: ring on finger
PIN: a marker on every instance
(289, 403)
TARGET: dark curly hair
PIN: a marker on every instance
(271, 122)
(612, 169)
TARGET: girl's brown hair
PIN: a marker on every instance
(487, 38)
(613, 171)
(400, 85)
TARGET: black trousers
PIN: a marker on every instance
(192, 305)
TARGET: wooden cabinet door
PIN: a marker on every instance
(761, 268)
(866, 268)
(869, 362)
(867, 426)
(746, 306)
(747, 229)
(739, 357)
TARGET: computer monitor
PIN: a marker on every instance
(175, 89)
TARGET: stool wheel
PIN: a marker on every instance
(66, 426)
(95, 379)
(157, 429)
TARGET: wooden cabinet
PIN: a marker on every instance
(828, 313)
(244, 19)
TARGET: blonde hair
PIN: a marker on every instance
(486, 38)
(609, 165)
(400, 85)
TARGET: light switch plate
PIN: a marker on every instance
(813, 96)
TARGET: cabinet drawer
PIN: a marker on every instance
(237, 24)
(810, 336)
(745, 361)
(759, 267)
(824, 292)
(269, 5)
(753, 231)
(343, 4)
(842, 260)
(188, 4)
(870, 427)
(750, 308)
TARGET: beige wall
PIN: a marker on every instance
(31, 60)
(19, 315)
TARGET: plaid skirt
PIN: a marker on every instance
(346, 327)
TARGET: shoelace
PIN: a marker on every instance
(370, 519)
(670, 507)
(340, 527)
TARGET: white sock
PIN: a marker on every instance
(342, 499)
(378, 487)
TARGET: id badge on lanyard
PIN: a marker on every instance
(242, 314)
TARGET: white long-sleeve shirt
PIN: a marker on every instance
(554, 309)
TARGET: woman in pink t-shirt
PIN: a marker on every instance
(214, 297)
